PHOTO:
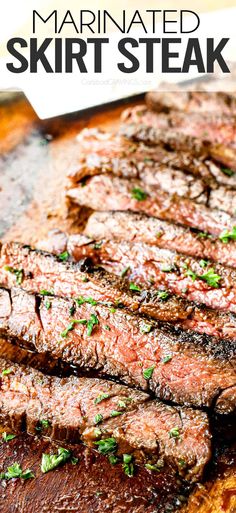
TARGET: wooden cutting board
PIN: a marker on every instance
(34, 156)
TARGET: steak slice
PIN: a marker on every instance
(198, 156)
(212, 127)
(195, 280)
(74, 409)
(185, 368)
(134, 227)
(105, 192)
(192, 101)
(42, 271)
(127, 159)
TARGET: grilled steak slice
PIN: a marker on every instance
(209, 126)
(123, 158)
(105, 192)
(199, 157)
(73, 409)
(195, 280)
(139, 228)
(192, 101)
(42, 271)
(185, 368)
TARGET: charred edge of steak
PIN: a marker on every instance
(41, 270)
(92, 410)
(176, 368)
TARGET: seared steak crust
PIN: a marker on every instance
(105, 192)
(65, 409)
(212, 127)
(134, 227)
(182, 367)
(43, 271)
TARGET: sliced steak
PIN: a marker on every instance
(42, 271)
(192, 101)
(105, 153)
(105, 192)
(198, 156)
(208, 126)
(140, 228)
(182, 367)
(74, 409)
(195, 280)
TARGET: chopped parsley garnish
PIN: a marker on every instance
(15, 471)
(115, 413)
(138, 194)
(71, 326)
(226, 235)
(107, 445)
(134, 287)
(145, 328)
(112, 309)
(163, 294)
(19, 273)
(7, 436)
(154, 468)
(72, 310)
(74, 460)
(204, 235)
(174, 432)
(64, 256)
(48, 304)
(44, 292)
(210, 277)
(128, 465)
(182, 463)
(124, 272)
(98, 418)
(81, 300)
(113, 459)
(147, 373)
(203, 263)
(91, 323)
(122, 404)
(5, 372)
(106, 327)
(167, 358)
(97, 245)
(51, 461)
(43, 424)
(227, 171)
(101, 398)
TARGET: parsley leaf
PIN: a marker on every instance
(152, 467)
(5, 372)
(101, 398)
(167, 358)
(147, 373)
(19, 273)
(128, 465)
(51, 461)
(124, 272)
(134, 287)
(98, 418)
(15, 471)
(163, 294)
(227, 171)
(174, 432)
(81, 300)
(145, 328)
(7, 436)
(64, 256)
(71, 326)
(107, 445)
(44, 292)
(91, 323)
(211, 278)
(226, 235)
(138, 194)
(116, 413)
